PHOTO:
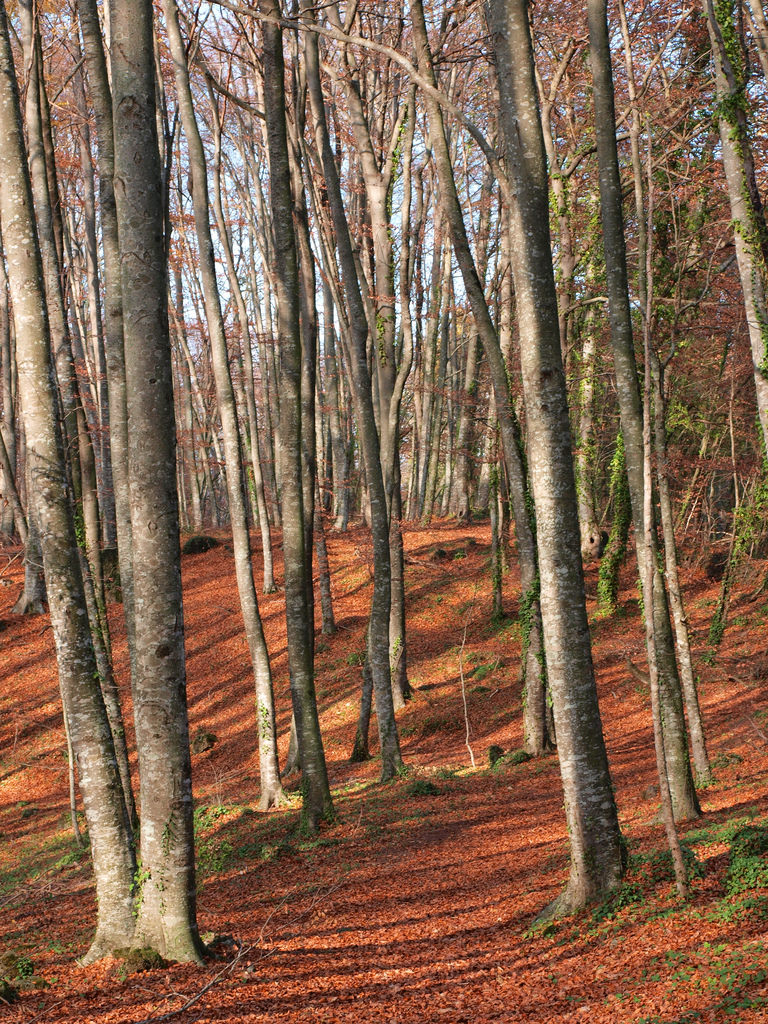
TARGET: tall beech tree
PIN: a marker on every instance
(271, 789)
(166, 919)
(750, 232)
(108, 825)
(101, 101)
(537, 738)
(595, 838)
(684, 798)
(300, 625)
(357, 358)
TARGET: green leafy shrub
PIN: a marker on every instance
(748, 860)
(657, 866)
(423, 787)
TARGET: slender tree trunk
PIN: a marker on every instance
(464, 433)
(323, 569)
(30, 601)
(590, 532)
(667, 811)
(271, 789)
(9, 514)
(360, 750)
(695, 723)
(340, 461)
(101, 100)
(595, 838)
(536, 738)
(250, 397)
(676, 745)
(106, 486)
(317, 795)
(10, 493)
(378, 626)
(616, 548)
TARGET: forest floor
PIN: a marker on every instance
(417, 904)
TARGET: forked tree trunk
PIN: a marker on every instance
(113, 859)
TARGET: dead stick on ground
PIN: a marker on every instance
(43, 1013)
(757, 729)
(642, 677)
(463, 687)
(191, 1002)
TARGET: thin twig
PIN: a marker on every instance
(463, 687)
(757, 729)
(191, 1002)
(46, 1010)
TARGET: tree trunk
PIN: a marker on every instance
(318, 805)
(676, 746)
(9, 514)
(534, 667)
(747, 214)
(108, 828)
(245, 331)
(378, 626)
(271, 789)
(166, 918)
(595, 838)
(101, 100)
(695, 723)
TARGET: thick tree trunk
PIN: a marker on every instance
(747, 215)
(109, 832)
(595, 838)
(167, 914)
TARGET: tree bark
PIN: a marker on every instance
(101, 100)
(166, 918)
(271, 789)
(595, 838)
(378, 626)
(747, 215)
(627, 386)
(318, 805)
(109, 832)
(536, 739)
